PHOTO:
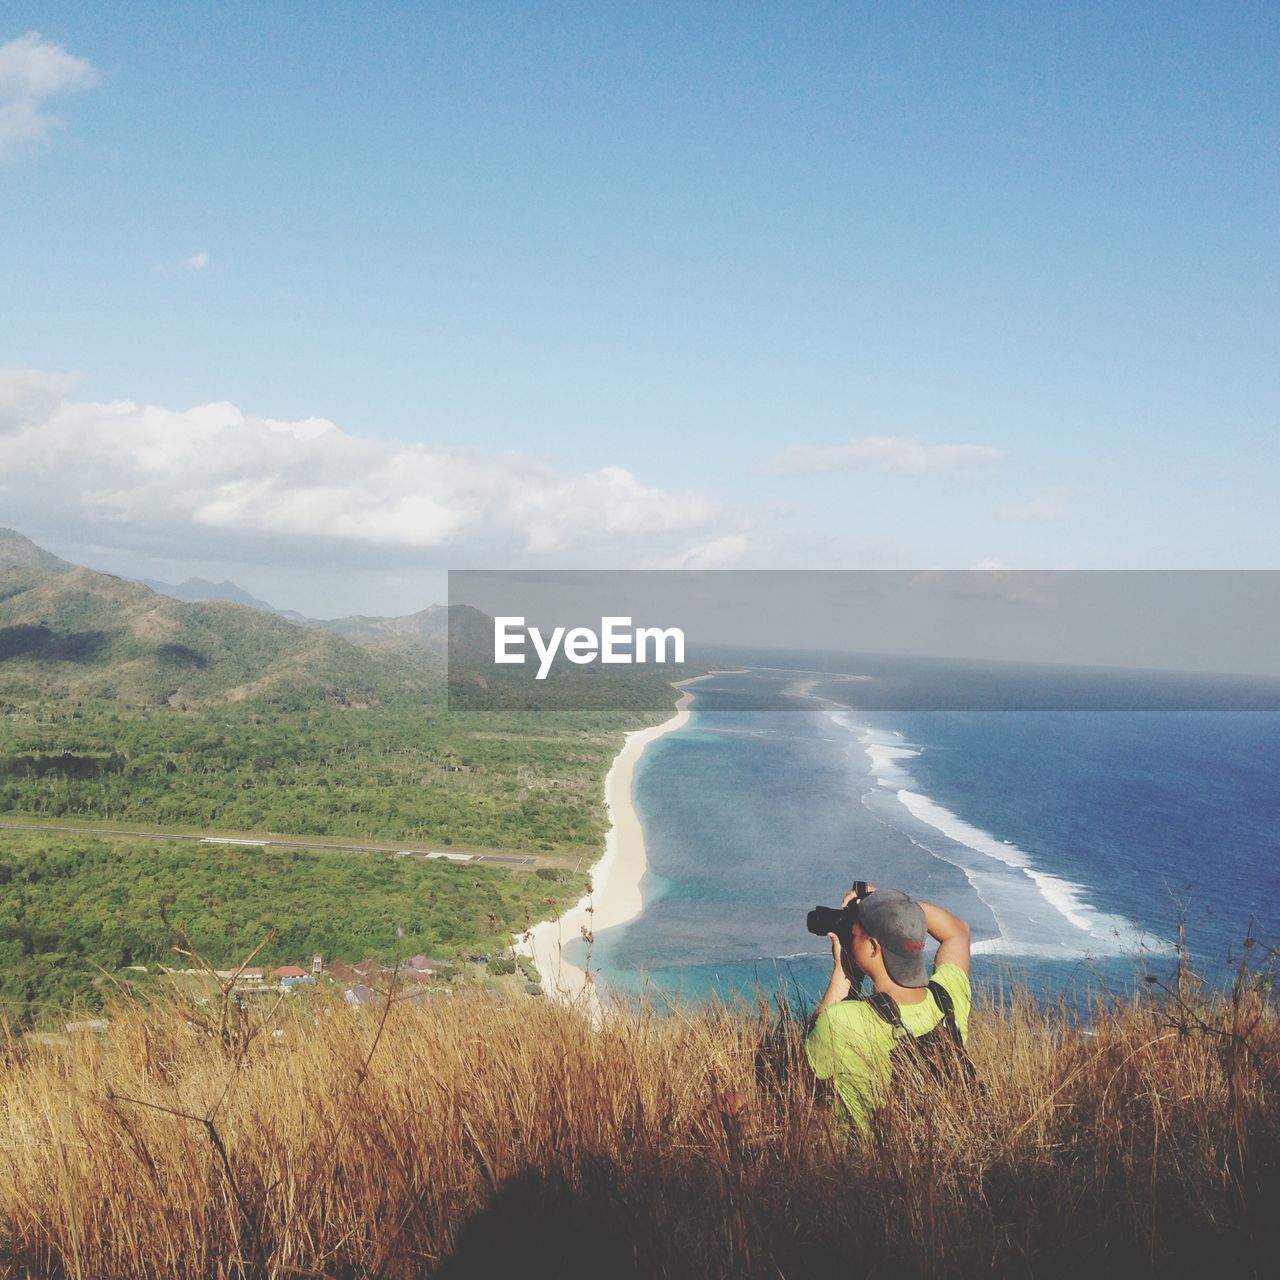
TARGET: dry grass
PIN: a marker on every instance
(460, 1138)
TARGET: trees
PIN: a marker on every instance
(481, 779)
(74, 906)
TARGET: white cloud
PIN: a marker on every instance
(28, 397)
(33, 70)
(895, 455)
(1050, 504)
(719, 553)
(197, 261)
(212, 479)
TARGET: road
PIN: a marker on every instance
(529, 861)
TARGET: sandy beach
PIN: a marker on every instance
(615, 879)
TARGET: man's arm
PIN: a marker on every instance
(951, 933)
(839, 986)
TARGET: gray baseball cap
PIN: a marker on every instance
(896, 922)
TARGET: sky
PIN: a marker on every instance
(329, 299)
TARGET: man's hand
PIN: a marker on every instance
(839, 986)
(849, 897)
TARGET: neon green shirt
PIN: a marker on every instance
(852, 1042)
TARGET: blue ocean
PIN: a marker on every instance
(1081, 846)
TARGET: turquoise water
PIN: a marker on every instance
(1075, 843)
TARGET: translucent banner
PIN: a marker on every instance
(930, 640)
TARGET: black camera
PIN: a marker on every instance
(840, 921)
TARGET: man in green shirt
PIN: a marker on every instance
(851, 1041)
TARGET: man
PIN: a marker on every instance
(853, 1040)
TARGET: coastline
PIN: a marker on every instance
(615, 879)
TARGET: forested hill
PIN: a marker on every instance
(75, 634)
(19, 552)
(122, 707)
(427, 629)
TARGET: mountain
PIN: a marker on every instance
(73, 633)
(198, 590)
(18, 552)
(426, 634)
(427, 629)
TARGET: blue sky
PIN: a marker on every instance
(822, 285)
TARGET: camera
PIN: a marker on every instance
(838, 920)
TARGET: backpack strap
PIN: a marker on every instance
(887, 1008)
(945, 1003)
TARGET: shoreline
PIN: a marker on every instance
(615, 894)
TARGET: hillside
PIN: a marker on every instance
(427, 629)
(462, 1137)
(427, 634)
(198, 590)
(19, 552)
(75, 634)
(71, 633)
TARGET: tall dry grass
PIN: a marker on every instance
(461, 1138)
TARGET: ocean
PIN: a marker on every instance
(1081, 846)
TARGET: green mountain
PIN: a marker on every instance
(428, 631)
(76, 634)
(198, 590)
(18, 552)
